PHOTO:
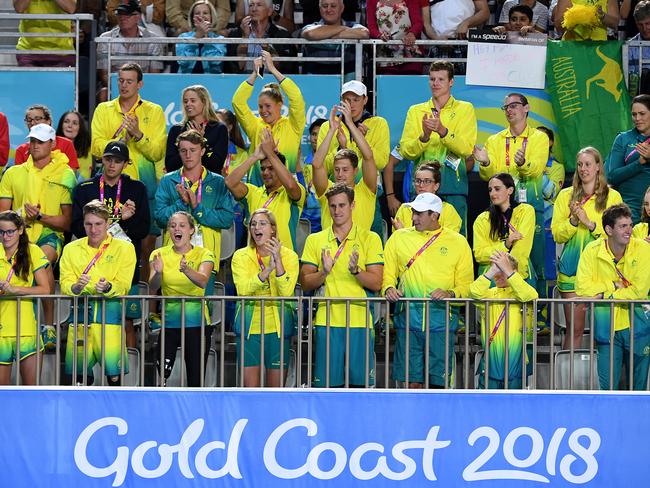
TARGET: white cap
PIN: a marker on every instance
(42, 132)
(426, 201)
(355, 87)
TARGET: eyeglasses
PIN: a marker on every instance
(8, 232)
(511, 106)
(422, 182)
(29, 120)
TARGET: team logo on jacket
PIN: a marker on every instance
(444, 250)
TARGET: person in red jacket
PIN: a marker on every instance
(40, 114)
(4, 139)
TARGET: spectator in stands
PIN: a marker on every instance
(639, 82)
(140, 124)
(97, 265)
(331, 26)
(627, 8)
(40, 114)
(42, 189)
(539, 18)
(4, 140)
(346, 168)
(128, 17)
(199, 192)
(642, 229)
(311, 211)
(199, 114)
(348, 262)
(183, 268)
(281, 193)
(287, 131)
(449, 19)
(508, 284)
(427, 180)
(202, 19)
(507, 225)
(177, 14)
(628, 163)
(25, 271)
(520, 19)
(282, 13)
(452, 19)
(552, 183)
(258, 24)
(521, 151)
(577, 221)
(615, 267)
(264, 268)
(127, 202)
(311, 11)
(153, 15)
(45, 7)
(606, 16)
(443, 129)
(73, 126)
(429, 262)
(391, 20)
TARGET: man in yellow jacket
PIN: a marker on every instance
(140, 124)
(443, 129)
(616, 267)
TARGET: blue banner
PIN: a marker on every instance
(20, 89)
(127, 437)
(487, 102)
(320, 93)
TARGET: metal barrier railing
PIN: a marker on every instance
(215, 355)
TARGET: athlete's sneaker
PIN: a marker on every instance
(49, 337)
(155, 322)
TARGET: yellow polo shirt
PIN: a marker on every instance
(364, 206)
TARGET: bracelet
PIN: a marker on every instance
(110, 287)
(356, 272)
(391, 193)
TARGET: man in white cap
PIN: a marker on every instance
(41, 191)
(427, 262)
(373, 128)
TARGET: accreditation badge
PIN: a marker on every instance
(197, 238)
(452, 161)
(522, 196)
(117, 232)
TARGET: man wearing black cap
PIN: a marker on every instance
(126, 200)
(128, 26)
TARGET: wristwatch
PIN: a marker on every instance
(39, 216)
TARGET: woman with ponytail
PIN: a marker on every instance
(505, 226)
(287, 130)
(577, 220)
(23, 271)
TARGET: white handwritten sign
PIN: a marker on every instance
(508, 59)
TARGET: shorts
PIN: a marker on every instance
(27, 348)
(134, 307)
(112, 352)
(253, 347)
(52, 240)
(358, 350)
(417, 346)
(565, 283)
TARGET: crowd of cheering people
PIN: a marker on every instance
(189, 184)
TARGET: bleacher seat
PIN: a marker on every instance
(581, 363)
(228, 243)
(303, 230)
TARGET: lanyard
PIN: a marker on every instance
(625, 281)
(199, 191)
(585, 199)
(96, 258)
(339, 251)
(268, 202)
(11, 270)
(523, 148)
(259, 261)
(497, 325)
(116, 206)
(422, 249)
(508, 224)
(123, 125)
(634, 151)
